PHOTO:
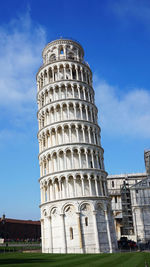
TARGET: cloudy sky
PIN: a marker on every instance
(116, 38)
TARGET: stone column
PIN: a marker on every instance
(89, 97)
(42, 235)
(67, 111)
(82, 181)
(96, 186)
(73, 91)
(108, 231)
(79, 230)
(134, 223)
(77, 74)
(87, 162)
(53, 76)
(79, 92)
(53, 190)
(77, 133)
(65, 52)
(47, 166)
(90, 186)
(75, 188)
(43, 194)
(71, 73)
(86, 110)
(72, 160)
(64, 242)
(41, 190)
(96, 232)
(89, 132)
(81, 74)
(83, 129)
(75, 112)
(58, 162)
(60, 191)
(80, 163)
(94, 137)
(97, 161)
(70, 135)
(55, 115)
(41, 171)
(48, 196)
(65, 161)
(61, 113)
(81, 113)
(67, 186)
(50, 235)
(105, 188)
(92, 159)
(44, 98)
(84, 94)
(63, 141)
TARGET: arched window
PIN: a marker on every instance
(70, 56)
(112, 183)
(52, 57)
(71, 233)
(86, 221)
(61, 51)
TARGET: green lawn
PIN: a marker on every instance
(136, 259)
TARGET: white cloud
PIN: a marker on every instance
(21, 44)
(137, 9)
(128, 114)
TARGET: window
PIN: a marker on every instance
(136, 191)
(71, 233)
(91, 164)
(112, 183)
(115, 199)
(70, 56)
(53, 57)
(86, 221)
(61, 51)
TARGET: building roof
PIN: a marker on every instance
(8, 220)
(127, 176)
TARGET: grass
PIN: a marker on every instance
(135, 259)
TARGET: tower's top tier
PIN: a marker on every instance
(62, 49)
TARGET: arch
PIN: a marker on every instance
(71, 204)
(52, 209)
(84, 203)
(52, 57)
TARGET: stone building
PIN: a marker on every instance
(75, 207)
(13, 229)
(130, 196)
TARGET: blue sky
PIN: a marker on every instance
(116, 38)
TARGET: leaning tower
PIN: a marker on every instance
(76, 215)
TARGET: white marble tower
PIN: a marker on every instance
(76, 216)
